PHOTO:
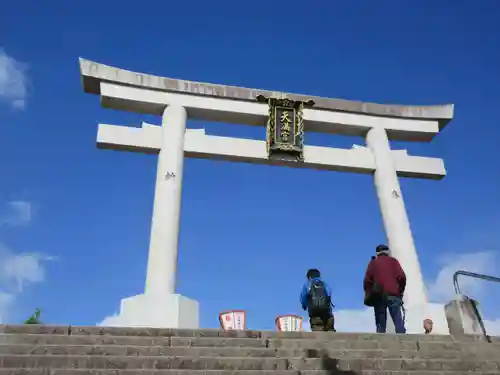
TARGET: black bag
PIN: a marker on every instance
(319, 301)
(375, 295)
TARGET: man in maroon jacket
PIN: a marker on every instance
(384, 285)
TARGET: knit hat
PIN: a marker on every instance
(382, 249)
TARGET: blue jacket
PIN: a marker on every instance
(304, 294)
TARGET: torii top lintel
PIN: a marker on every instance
(94, 75)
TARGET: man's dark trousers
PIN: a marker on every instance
(395, 307)
(322, 323)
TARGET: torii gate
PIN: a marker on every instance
(287, 117)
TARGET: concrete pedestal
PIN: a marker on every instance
(463, 318)
(167, 311)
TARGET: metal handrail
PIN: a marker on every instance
(474, 302)
(471, 274)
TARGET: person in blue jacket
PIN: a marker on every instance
(316, 298)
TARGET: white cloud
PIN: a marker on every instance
(17, 270)
(110, 321)
(361, 320)
(13, 81)
(354, 320)
(16, 213)
(6, 300)
(492, 327)
(22, 269)
(441, 289)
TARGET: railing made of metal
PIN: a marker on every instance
(474, 275)
(474, 302)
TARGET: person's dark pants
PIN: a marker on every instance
(322, 323)
(395, 307)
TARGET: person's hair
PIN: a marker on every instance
(312, 273)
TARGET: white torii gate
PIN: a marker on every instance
(176, 100)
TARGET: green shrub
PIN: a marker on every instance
(35, 318)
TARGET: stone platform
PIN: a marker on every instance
(63, 350)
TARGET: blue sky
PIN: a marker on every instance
(79, 217)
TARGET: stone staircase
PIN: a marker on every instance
(63, 350)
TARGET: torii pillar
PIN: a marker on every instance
(394, 216)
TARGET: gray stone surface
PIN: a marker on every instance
(36, 350)
(463, 319)
(223, 372)
(126, 331)
(236, 363)
(151, 351)
(41, 371)
(210, 336)
(93, 73)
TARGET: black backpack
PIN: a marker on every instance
(376, 293)
(319, 301)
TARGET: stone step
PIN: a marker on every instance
(422, 346)
(41, 371)
(266, 364)
(128, 350)
(231, 341)
(46, 339)
(289, 344)
(212, 333)
(147, 351)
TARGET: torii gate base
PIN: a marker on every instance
(176, 100)
(167, 311)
